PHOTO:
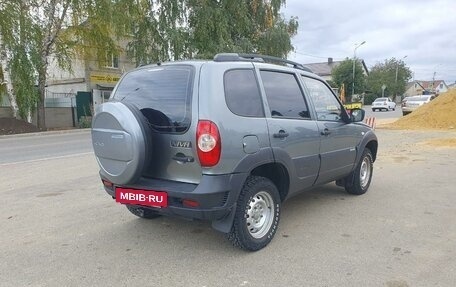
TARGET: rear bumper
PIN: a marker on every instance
(216, 194)
(408, 109)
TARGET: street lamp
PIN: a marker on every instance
(354, 60)
(433, 77)
(397, 69)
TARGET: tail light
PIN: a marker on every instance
(209, 143)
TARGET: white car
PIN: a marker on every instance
(383, 104)
(415, 102)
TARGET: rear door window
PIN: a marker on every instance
(162, 93)
(284, 95)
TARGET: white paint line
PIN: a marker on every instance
(46, 158)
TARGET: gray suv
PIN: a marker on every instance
(227, 140)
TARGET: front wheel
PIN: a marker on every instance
(257, 214)
(359, 180)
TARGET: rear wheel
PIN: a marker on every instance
(257, 214)
(142, 212)
(359, 180)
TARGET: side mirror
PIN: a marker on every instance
(357, 115)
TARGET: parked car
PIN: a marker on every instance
(381, 104)
(404, 100)
(227, 140)
(415, 102)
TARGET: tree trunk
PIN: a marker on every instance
(41, 117)
(10, 91)
(7, 79)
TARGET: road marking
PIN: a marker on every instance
(46, 158)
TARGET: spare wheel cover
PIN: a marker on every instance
(119, 143)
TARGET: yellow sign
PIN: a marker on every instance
(352, 106)
(104, 78)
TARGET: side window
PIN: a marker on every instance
(284, 95)
(242, 94)
(326, 105)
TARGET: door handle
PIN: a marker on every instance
(183, 158)
(280, 135)
(325, 132)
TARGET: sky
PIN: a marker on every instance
(422, 30)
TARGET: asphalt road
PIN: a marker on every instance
(39, 146)
(59, 228)
(383, 114)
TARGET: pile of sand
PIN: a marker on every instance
(439, 114)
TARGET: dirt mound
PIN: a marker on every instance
(446, 142)
(10, 126)
(438, 114)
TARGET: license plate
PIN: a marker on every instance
(141, 197)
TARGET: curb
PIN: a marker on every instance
(47, 133)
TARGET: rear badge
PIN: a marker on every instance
(181, 144)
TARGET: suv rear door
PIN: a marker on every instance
(164, 95)
(294, 136)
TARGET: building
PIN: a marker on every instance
(325, 69)
(93, 77)
(426, 87)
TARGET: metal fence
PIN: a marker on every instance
(60, 100)
(4, 101)
(52, 100)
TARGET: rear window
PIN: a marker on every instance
(162, 93)
(418, 99)
(242, 94)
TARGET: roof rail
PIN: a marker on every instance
(234, 57)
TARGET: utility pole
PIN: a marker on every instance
(433, 82)
(397, 70)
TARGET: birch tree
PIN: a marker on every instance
(34, 31)
(8, 12)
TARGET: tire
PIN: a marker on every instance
(121, 140)
(257, 214)
(142, 212)
(373, 110)
(359, 180)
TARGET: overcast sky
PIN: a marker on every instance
(422, 30)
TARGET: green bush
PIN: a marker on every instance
(85, 122)
(369, 98)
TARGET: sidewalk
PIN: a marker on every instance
(46, 133)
